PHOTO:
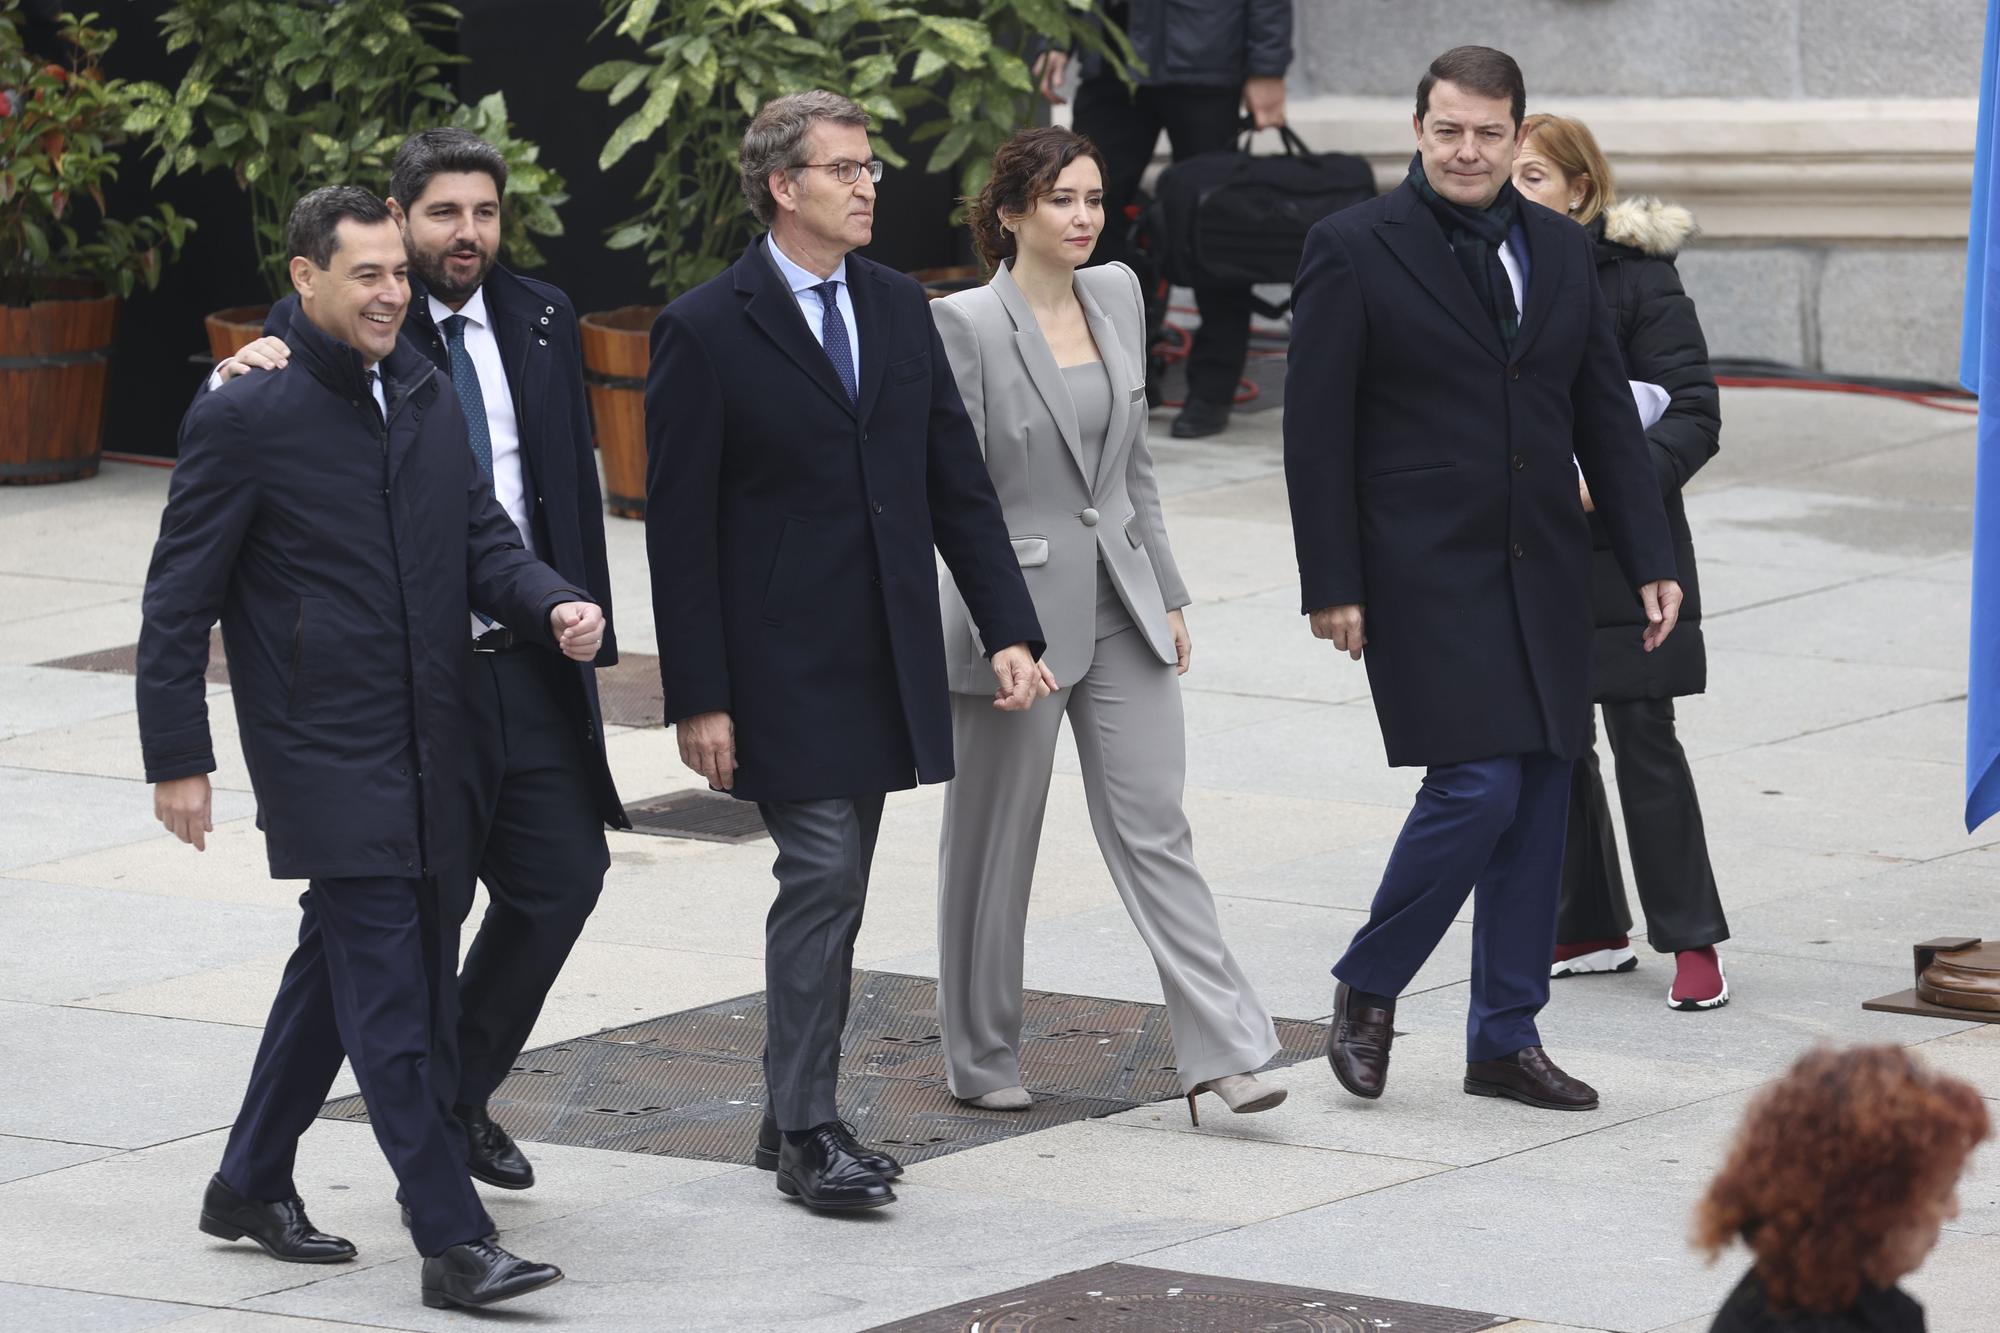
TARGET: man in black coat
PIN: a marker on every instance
(1450, 355)
(541, 784)
(1203, 64)
(331, 516)
(806, 451)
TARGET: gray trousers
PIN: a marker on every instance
(1130, 740)
(824, 851)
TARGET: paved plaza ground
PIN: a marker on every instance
(1834, 534)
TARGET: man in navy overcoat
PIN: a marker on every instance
(806, 453)
(1452, 366)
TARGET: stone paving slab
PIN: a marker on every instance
(21, 1158)
(56, 815)
(85, 1311)
(108, 746)
(34, 698)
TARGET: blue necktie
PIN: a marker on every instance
(466, 380)
(833, 337)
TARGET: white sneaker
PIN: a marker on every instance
(1598, 960)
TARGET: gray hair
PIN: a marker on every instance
(776, 138)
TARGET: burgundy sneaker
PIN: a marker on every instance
(1586, 956)
(1698, 981)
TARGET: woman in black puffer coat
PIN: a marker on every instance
(1561, 167)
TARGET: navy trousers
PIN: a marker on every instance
(539, 847)
(365, 982)
(1492, 828)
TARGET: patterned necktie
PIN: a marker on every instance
(466, 380)
(833, 337)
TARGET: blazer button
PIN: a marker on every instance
(1518, 552)
(1520, 463)
(1513, 372)
(1089, 517)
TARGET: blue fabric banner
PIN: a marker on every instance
(1979, 371)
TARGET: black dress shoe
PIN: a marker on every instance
(822, 1173)
(481, 1273)
(1357, 1045)
(491, 1155)
(1199, 417)
(770, 1141)
(281, 1226)
(1528, 1075)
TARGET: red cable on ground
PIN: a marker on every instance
(1866, 390)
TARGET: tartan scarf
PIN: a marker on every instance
(1475, 236)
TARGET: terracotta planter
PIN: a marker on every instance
(614, 365)
(938, 282)
(55, 363)
(231, 330)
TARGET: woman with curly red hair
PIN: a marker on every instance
(1841, 1178)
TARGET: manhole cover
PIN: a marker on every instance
(691, 1084)
(1116, 1298)
(125, 661)
(706, 815)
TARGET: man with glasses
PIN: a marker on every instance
(806, 450)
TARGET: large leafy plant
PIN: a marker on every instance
(954, 71)
(61, 127)
(290, 95)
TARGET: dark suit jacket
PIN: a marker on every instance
(536, 328)
(1431, 478)
(790, 532)
(342, 557)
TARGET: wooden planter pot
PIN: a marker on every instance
(55, 363)
(232, 330)
(614, 364)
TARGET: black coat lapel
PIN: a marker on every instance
(870, 292)
(1546, 260)
(1419, 244)
(527, 373)
(772, 308)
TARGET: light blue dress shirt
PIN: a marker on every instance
(802, 283)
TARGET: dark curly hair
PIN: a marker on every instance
(1832, 1159)
(1024, 169)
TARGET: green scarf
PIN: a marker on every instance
(1475, 236)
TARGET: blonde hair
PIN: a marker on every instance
(1573, 149)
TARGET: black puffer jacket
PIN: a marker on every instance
(1202, 43)
(1662, 343)
(1879, 1310)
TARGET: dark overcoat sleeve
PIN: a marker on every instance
(1664, 346)
(684, 428)
(1612, 451)
(210, 506)
(1268, 25)
(1329, 334)
(589, 495)
(966, 521)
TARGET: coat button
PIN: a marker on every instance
(876, 508)
(1089, 517)
(543, 341)
(548, 310)
(1513, 372)
(1520, 463)
(545, 319)
(1518, 552)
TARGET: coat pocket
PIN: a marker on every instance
(1031, 551)
(909, 368)
(1401, 468)
(309, 658)
(1132, 532)
(781, 590)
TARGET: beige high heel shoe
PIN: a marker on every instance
(1241, 1093)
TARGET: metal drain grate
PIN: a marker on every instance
(125, 661)
(1125, 1298)
(691, 1084)
(705, 815)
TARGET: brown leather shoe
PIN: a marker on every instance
(1528, 1075)
(1357, 1044)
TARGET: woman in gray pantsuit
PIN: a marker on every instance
(1050, 359)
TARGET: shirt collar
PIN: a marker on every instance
(474, 308)
(798, 279)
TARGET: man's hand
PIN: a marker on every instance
(1583, 489)
(183, 805)
(1264, 98)
(1183, 645)
(708, 746)
(578, 628)
(1342, 624)
(1022, 679)
(1663, 610)
(1050, 67)
(267, 353)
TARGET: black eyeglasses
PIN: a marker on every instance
(846, 172)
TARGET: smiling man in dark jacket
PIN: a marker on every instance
(331, 515)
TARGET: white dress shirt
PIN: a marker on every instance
(802, 283)
(1512, 264)
(509, 484)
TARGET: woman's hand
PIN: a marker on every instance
(1183, 645)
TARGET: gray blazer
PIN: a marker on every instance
(1059, 519)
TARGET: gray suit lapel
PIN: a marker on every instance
(1041, 364)
(1120, 374)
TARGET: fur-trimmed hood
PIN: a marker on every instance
(1649, 226)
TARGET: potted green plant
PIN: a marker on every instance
(289, 95)
(954, 71)
(64, 264)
